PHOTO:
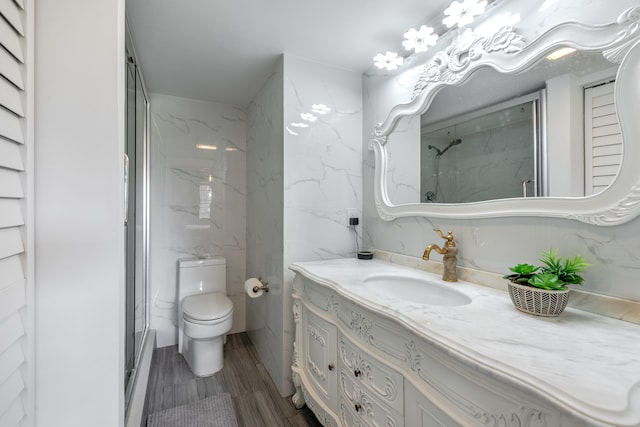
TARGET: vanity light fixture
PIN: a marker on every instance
(462, 14)
(389, 61)
(419, 40)
(231, 149)
(206, 147)
(560, 53)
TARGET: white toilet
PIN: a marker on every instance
(204, 313)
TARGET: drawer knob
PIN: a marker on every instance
(357, 373)
(358, 407)
(331, 367)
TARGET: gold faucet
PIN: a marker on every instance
(449, 260)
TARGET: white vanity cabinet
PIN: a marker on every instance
(343, 383)
(319, 345)
(421, 412)
(371, 392)
(356, 364)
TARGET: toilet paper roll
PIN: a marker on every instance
(250, 284)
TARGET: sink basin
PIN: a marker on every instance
(413, 289)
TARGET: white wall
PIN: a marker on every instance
(79, 228)
(308, 177)
(178, 168)
(565, 125)
(494, 244)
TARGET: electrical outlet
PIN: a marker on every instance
(352, 213)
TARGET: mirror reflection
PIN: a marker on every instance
(549, 131)
(489, 154)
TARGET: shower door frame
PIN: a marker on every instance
(143, 257)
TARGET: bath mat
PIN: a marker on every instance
(214, 411)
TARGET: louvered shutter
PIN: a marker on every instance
(13, 287)
(603, 139)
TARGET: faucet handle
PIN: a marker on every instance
(448, 237)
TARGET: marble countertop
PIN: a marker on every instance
(587, 362)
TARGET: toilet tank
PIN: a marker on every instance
(202, 275)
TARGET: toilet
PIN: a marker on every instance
(204, 313)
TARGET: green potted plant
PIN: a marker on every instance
(542, 290)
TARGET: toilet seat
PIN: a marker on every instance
(207, 308)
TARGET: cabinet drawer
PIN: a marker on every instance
(348, 416)
(366, 408)
(378, 379)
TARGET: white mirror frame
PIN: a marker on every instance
(619, 43)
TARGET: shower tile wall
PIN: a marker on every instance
(491, 162)
(183, 222)
(494, 244)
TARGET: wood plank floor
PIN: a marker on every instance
(255, 397)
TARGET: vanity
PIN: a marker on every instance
(382, 344)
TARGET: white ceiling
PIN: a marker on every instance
(223, 50)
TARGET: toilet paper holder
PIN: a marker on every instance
(264, 286)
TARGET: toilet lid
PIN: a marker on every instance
(207, 306)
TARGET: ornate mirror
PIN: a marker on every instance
(492, 125)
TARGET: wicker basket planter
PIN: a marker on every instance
(540, 302)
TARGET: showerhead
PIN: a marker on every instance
(451, 144)
(433, 147)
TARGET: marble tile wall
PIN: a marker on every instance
(494, 244)
(265, 220)
(183, 222)
(304, 158)
(322, 170)
(490, 164)
(403, 162)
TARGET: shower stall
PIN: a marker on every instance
(136, 227)
(492, 153)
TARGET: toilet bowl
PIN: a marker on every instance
(206, 319)
(205, 314)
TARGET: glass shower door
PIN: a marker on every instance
(136, 219)
(130, 191)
